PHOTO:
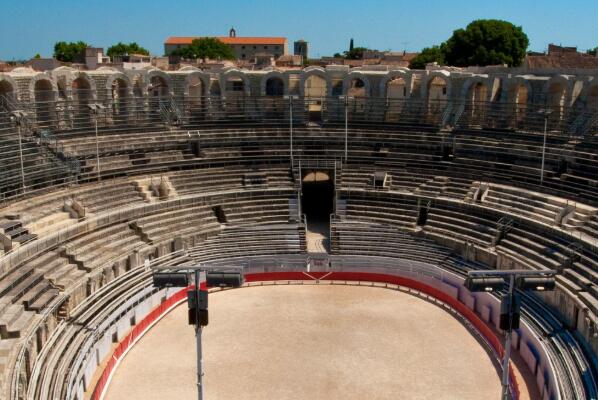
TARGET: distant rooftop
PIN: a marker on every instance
(186, 40)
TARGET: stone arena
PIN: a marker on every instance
(393, 184)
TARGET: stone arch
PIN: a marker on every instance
(42, 88)
(235, 75)
(436, 86)
(82, 86)
(557, 93)
(197, 84)
(476, 89)
(351, 80)
(8, 87)
(215, 89)
(436, 91)
(518, 90)
(394, 76)
(121, 82)
(158, 83)
(271, 83)
(317, 72)
(476, 93)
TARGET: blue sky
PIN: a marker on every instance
(33, 26)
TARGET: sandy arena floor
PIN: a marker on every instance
(311, 342)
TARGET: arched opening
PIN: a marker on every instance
(396, 88)
(7, 92)
(315, 87)
(234, 92)
(437, 96)
(555, 101)
(43, 94)
(520, 102)
(317, 203)
(396, 92)
(356, 90)
(158, 92)
(158, 87)
(476, 97)
(119, 93)
(274, 87)
(81, 95)
(195, 92)
(215, 88)
(274, 107)
(315, 90)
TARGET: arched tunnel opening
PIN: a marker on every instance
(317, 203)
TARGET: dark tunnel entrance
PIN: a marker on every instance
(317, 203)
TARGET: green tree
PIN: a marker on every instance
(351, 46)
(121, 49)
(355, 54)
(427, 55)
(337, 55)
(37, 56)
(486, 42)
(206, 48)
(593, 51)
(69, 52)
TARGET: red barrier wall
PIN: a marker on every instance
(155, 315)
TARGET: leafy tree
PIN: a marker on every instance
(486, 42)
(337, 55)
(69, 52)
(593, 51)
(37, 56)
(205, 48)
(121, 49)
(355, 54)
(427, 55)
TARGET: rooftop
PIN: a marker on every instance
(229, 40)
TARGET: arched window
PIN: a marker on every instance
(396, 88)
(274, 87)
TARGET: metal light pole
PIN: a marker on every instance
(346, 98)
(291, 98)
(197, 300)
(507, 348)
(198, 329)
(19, 118)
(492, 280)
(545, 113)
(94, 110)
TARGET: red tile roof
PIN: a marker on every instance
(230, 40)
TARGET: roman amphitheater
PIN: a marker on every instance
(355, 201)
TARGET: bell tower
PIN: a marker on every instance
(232, 32)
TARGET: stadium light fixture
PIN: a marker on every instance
(95, 108)
(290, 98)
(346, 99)
(545, 112)
(197, 301)
(492, 280)
(20, 119)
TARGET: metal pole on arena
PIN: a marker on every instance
(94, 110)
(198, 340)
(545, 113)
(493, 281)
(508, 338)
(19, 117)
(346, 98)
(19, 121)
(291, 98)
